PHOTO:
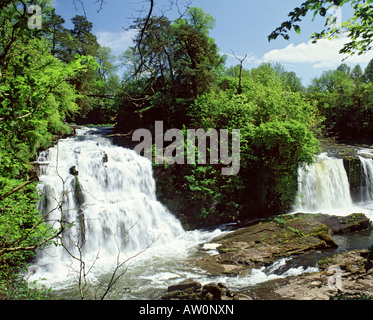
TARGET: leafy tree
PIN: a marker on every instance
(174, 61)
(358, 28)
(55, 32)
(36, 96)
(368, 72)
(234, 72)
(357, 74)
(345, 102)
(275, 136)
(105, 85)
(81, 41)
(344, 68)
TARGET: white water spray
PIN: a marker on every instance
(324, 187)
(108, 201)
(366, 185)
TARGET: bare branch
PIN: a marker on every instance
(82, 5)
(239, 90)
(116, 277)
(142, 33)
(102, 2)
(16, 189)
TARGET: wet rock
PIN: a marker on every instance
(186, 284)
(352, 223)
(211, 292)
(78, 192)
(105, 158)
(263, 243)
(192, 290)
(342, 276)
(73, 171)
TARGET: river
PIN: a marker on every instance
(105, 196)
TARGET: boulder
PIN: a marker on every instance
(105, 158)
(73, 171)
(192, 290)
(186, 284)
(355, 282)
(352, 223)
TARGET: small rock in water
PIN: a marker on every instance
(193, 290)
(73, 171)
(33, 269)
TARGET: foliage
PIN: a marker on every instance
(97, 86)
(358, 28)
(275, 136)
(344, 99)
(37, 94)
(169, 66)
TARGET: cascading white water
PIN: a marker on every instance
(323, 185)
(366, 185)
(108, 195)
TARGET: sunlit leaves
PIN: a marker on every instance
(358, 28)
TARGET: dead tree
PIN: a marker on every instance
(239, 90)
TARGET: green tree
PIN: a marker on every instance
(344, 68)
(368, 72)
(55, 32)
(345, 102)
(288, 78)
(105, 85)
(276, 134)
(35, 97)
(174, 61)
(80, 41)
(358, 28)
(357, 74)
(234, 72)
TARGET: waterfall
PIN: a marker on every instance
(108, 201)
(323, 185)
(366, 182)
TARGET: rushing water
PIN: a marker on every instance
(323, 187)
(105, 196)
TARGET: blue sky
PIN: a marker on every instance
(241, 25)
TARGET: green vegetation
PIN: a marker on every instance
(358, 28)
(44, 73)
(345, 100)
(174, 72)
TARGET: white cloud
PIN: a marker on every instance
(323, 54)
(117, 41)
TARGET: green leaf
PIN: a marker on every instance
(297, 29)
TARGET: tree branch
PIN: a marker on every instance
(239, 90)
(16, 189)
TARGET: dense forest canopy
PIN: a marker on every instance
(53, 76)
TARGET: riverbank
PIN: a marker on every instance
(298, 236)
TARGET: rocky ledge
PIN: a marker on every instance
(344, 275)
(192, 290)
(265, 242)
